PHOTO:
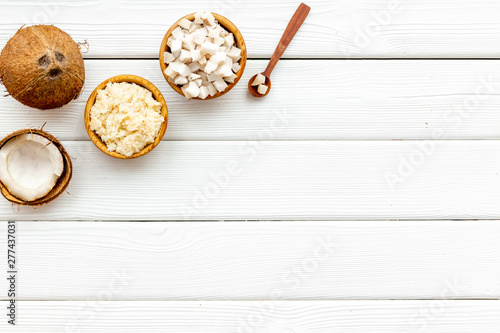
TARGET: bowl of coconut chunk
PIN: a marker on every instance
(203, 55)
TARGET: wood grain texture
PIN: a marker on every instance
(299, 180)
(322, 260)
(241, 158)
(339, 29)
(261, 317)
(351, 99)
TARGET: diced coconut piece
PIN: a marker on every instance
(188, 43)
(176, 47)
(234, 53)
(229, 40)
(218, 41)
(228, 62)
(170, 40)
(223, 49)
(185, 71)
(259, 79)
(218, 58)
(178, 33)
(193, 77)
(203, 92)
(211, 89)
(199, 36)
(193, 27)
(230, 78)
(203, 76)
(208, 18)
(236, 67)
(199, 82)
(180, 80)
(185, 23)
(185, 56)
(207, 28)
(193, 89)
(184, 91)
(213, 77)
(224, 71)
(197, 18)
(261, 89)
(168, 57)
(214, 33)
(169, 72)
(210, 67)
(209, 48)
(223, 32)
(180, 68)
(220, 85)
(203, 61)
(194, 66)
(195, 55)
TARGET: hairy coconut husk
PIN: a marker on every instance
(41, 66)
(62, 182)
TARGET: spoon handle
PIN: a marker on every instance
(292, 28)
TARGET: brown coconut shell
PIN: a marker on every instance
(42, 67)
(62, 182)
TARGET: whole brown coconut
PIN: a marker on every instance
(42, 67)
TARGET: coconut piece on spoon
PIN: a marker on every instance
(34, 167)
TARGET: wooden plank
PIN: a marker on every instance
(70, 260)
(262, 317)
(400, 99)
(340, 29)
(270, 180)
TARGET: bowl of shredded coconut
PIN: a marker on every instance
(126, 116)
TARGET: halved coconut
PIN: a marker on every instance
(34, 167)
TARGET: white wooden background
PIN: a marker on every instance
(361, 195)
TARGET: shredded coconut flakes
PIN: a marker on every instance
(126, 117)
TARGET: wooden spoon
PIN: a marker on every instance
(292, 28)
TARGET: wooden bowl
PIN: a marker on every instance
(62, 182)
(131, 79)
(239, 41)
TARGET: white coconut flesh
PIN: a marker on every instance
(30, 166)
